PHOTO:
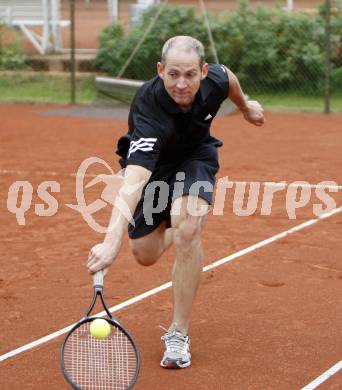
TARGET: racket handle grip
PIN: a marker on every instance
(98, 278)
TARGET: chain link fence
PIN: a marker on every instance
(271, 49)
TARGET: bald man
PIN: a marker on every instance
(170, 161)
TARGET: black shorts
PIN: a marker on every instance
(195, 175)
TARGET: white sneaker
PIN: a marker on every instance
(177, 353)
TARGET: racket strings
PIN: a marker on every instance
(107, 364)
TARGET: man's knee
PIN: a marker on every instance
(142, 254)
(148, 249)
(188, 219)
(187, 231)
(144, 258)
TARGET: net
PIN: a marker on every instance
(107, 364)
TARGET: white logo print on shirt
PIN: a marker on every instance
(143, 144)
(223, 68)
(208, 117)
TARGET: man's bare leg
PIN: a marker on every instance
(148, 249)
(188, 264)
(186, 277)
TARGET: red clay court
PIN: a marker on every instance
(268, 318)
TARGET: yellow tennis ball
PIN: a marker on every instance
(100, 328)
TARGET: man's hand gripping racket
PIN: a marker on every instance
(90, 363)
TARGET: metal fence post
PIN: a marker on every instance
(327, 86)
(72, 53)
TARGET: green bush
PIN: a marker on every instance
(115, 47)
(11, 54)
(268, 48)
(336, 80)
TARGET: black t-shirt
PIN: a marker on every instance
(160, 132)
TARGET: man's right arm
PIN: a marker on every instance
(102, 255)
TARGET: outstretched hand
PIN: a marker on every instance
(254, 113)
(101, 256)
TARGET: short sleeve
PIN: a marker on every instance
(219, 75)
(146, 141)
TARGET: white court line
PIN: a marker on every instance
(331, 187)
(167, 285)
(322, 378)
(303, 184)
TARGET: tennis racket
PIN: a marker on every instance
(89, 363)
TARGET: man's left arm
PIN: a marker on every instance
(251, 109)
